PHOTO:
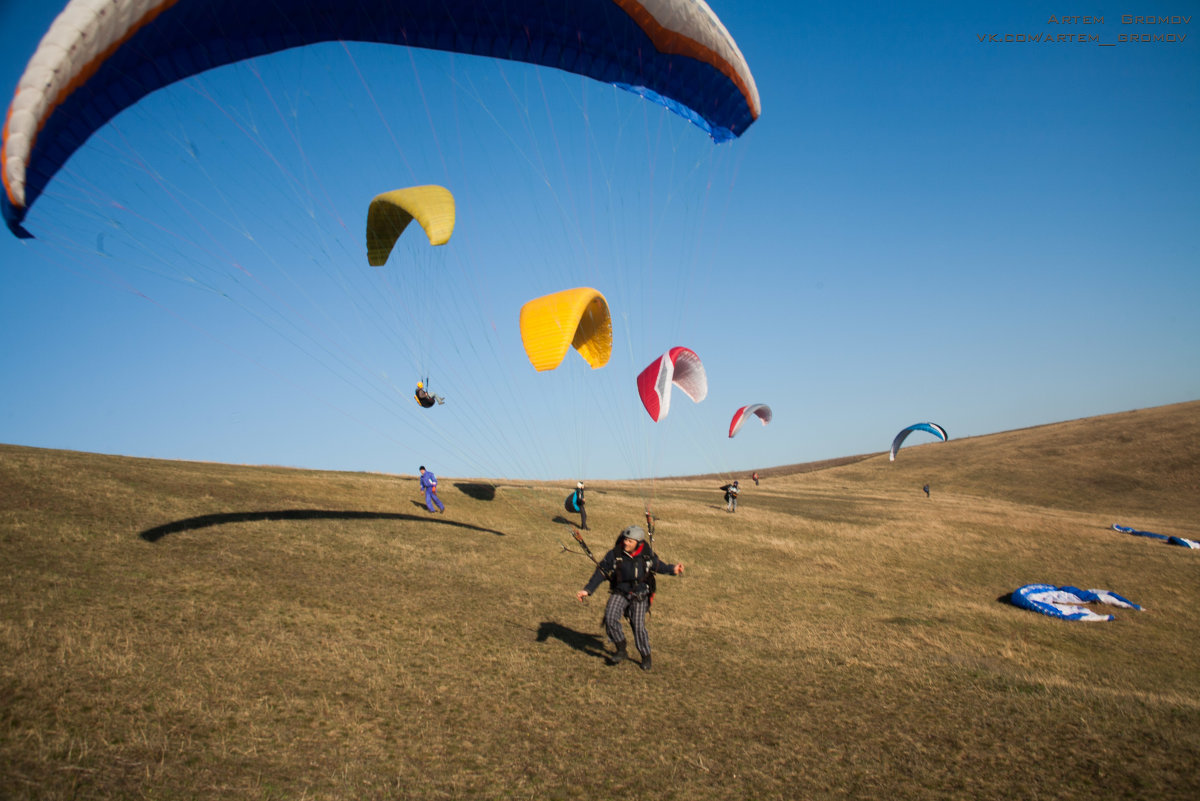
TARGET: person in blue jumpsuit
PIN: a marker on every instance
(429, 484)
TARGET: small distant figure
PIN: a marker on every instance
(926, 488)
(731, 496)
(425, 397)
(429, 485)
(650, 525)
(754, 476)
(581, 506)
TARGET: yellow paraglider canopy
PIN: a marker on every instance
(390, 213)
(576, 317)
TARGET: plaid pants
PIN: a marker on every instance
(620, 606)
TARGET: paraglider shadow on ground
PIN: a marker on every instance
(564, 521)
(590, 644)
(480, 492)
(1006, 598)
(219, 519)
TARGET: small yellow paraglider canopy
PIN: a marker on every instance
(577, 317)
(390, 213)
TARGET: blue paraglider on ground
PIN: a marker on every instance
(1067, 603)
(1186, 543)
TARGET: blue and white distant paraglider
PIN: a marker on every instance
(932, 428)
(1067, 603)
(1173, 540)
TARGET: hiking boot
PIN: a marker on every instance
(646, 662)
(618, 656)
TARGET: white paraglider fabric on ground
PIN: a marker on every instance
(1067, 603)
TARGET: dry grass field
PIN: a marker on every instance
(174, 630)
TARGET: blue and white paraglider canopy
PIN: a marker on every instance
(932, 428)
(1067, 603)
(1171, 539)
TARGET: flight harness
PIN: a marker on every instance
(645, 555)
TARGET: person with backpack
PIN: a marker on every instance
(731, 495)
(429, 485)
(629, 567)
(579, 505)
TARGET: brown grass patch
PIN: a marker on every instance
(175, 630)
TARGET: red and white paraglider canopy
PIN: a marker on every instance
(679, 366)
(759, 410)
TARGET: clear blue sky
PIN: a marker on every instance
(928, 222)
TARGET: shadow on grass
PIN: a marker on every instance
(590, 644)
(480, 492)
(222, 518)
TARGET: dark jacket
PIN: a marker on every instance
(574, 502)
(630, 572)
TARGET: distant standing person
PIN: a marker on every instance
(429, 485)
(926, 488)
(754, 476)
(629, 567)
(581, 505)
(731, 496)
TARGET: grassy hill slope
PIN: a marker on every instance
(178, 630)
